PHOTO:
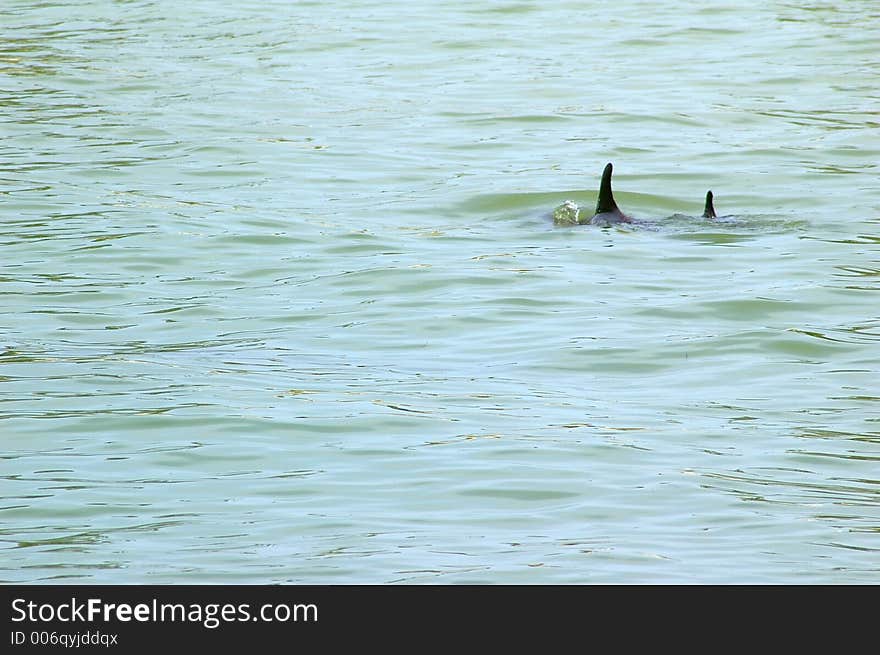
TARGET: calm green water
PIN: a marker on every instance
(282, 303)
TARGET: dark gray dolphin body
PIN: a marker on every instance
(709, 211)
(607, 211)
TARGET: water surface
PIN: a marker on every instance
(282, 304)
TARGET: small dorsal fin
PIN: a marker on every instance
(606, 197)
(709, 211)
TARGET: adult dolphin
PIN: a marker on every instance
(709, 211)
(607, 212)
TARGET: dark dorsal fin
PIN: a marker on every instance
(709, 211)
(606, 198)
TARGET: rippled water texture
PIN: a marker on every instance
(282, 301)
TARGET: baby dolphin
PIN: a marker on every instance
(709, 211)
(607, 211)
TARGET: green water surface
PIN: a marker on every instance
(282, 303)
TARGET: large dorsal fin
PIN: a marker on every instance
(709, 211)
(606, 197)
